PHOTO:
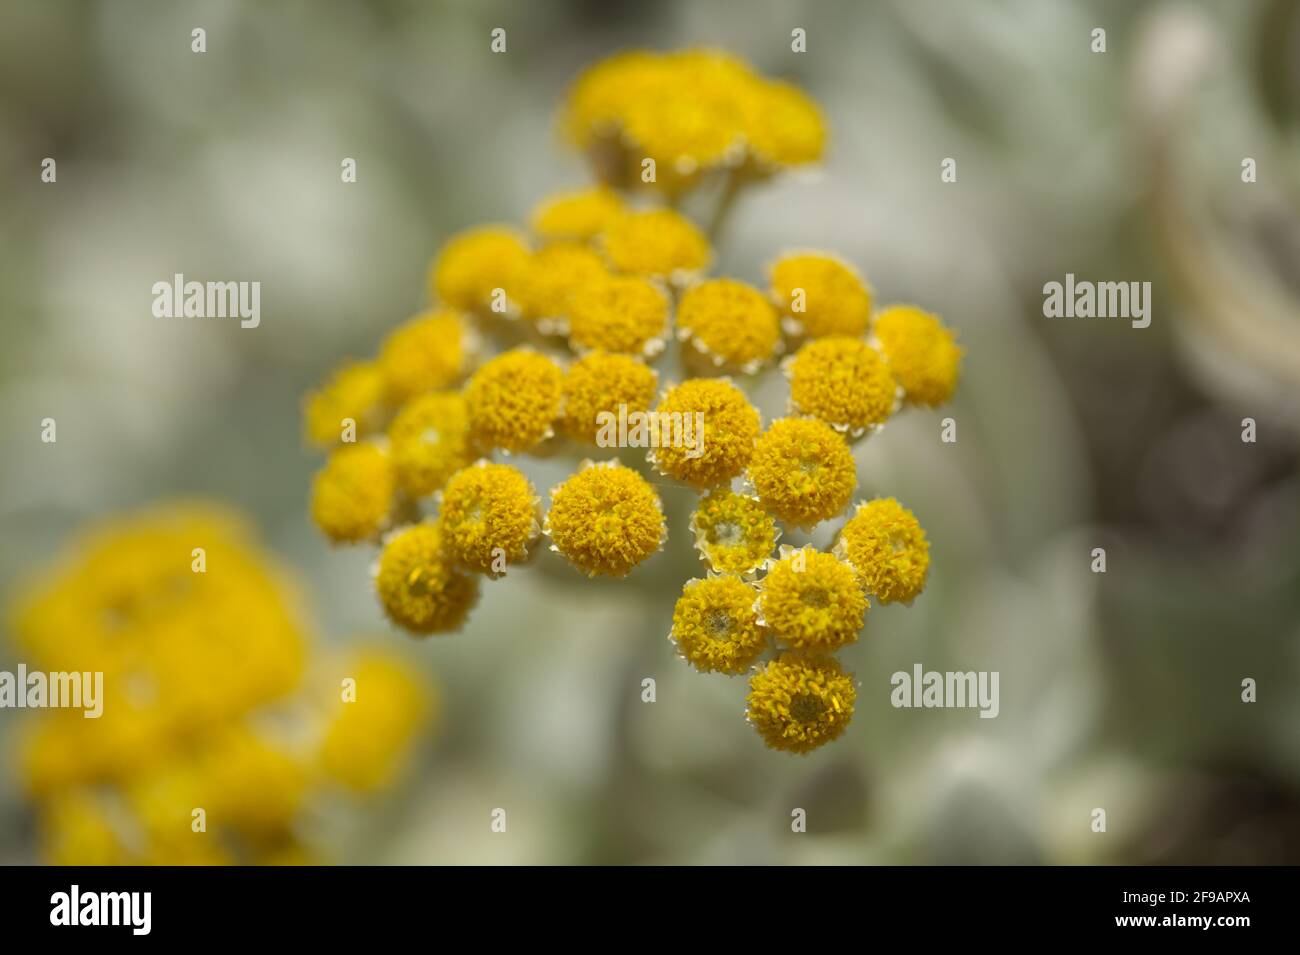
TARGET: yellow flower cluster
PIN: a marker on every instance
(211, 745)
(544, 342)
(690, 112)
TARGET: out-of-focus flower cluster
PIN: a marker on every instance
(538, 339)
(222, 728)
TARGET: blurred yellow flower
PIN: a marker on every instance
(922, 354)
(656, 243)
(430, 352)
(473, 264)
(820, 295)
(418, 584)
(429, 442)
(730, 323)
(619, 314)
(355, 392)
(577, 216)
(352, 495)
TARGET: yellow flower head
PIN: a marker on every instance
(77, 829)
(844, 382)
(249, 784)
(797, 703)
(733, 532)
(811, 600)
(355, 392)
(619, 314)
(731, 426)
(352, 496)
(431, 352)
(922, 354)
(605, 519)
(598, 100)
(731, 323)
(577, 216)
(489, 516)
(555, 274)
(820, 295)
(429, 441)
(418, 584)
(715, 626)
(513, 400)
(656, 243)
(369, 737)
(599, 382)
(803, 471)
(785, 126)
(886, 546)
(474, 263)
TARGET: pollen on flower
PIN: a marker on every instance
(803, 471)
(430, 352)
(577, 216)
(820, 295)
(844, 382)
(922, 354)
(513, 399)
(656, 243)
(729, 322)
(489, 515)
(619, 314)
(811, 600)
(605, 519)
(797, 703)
(352, 496)
(715, 626)
(598, 383)
(730, 428)
(733, 532)
(356, 392)
(886, 546)
(785, 126)
(418, 584)
(556, 273)
(429, 441)
(474, 263)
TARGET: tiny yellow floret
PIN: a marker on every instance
(656, 243)
(619, 314)
(844, 382)
(597, 385)
(605, 519)
(715, 626)
(797, 703)
(729, 322)
(418, 584)
(431, 352)
(577, 216)
(513, 400)
(429, 441)
(733, 532)
(803, 471)
(820, 295)
(473, 264)
(811, 600)
(489, 517)
(354, 393)
(730, 428)
(886, 546)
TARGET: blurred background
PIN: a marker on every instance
(1119, 691)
